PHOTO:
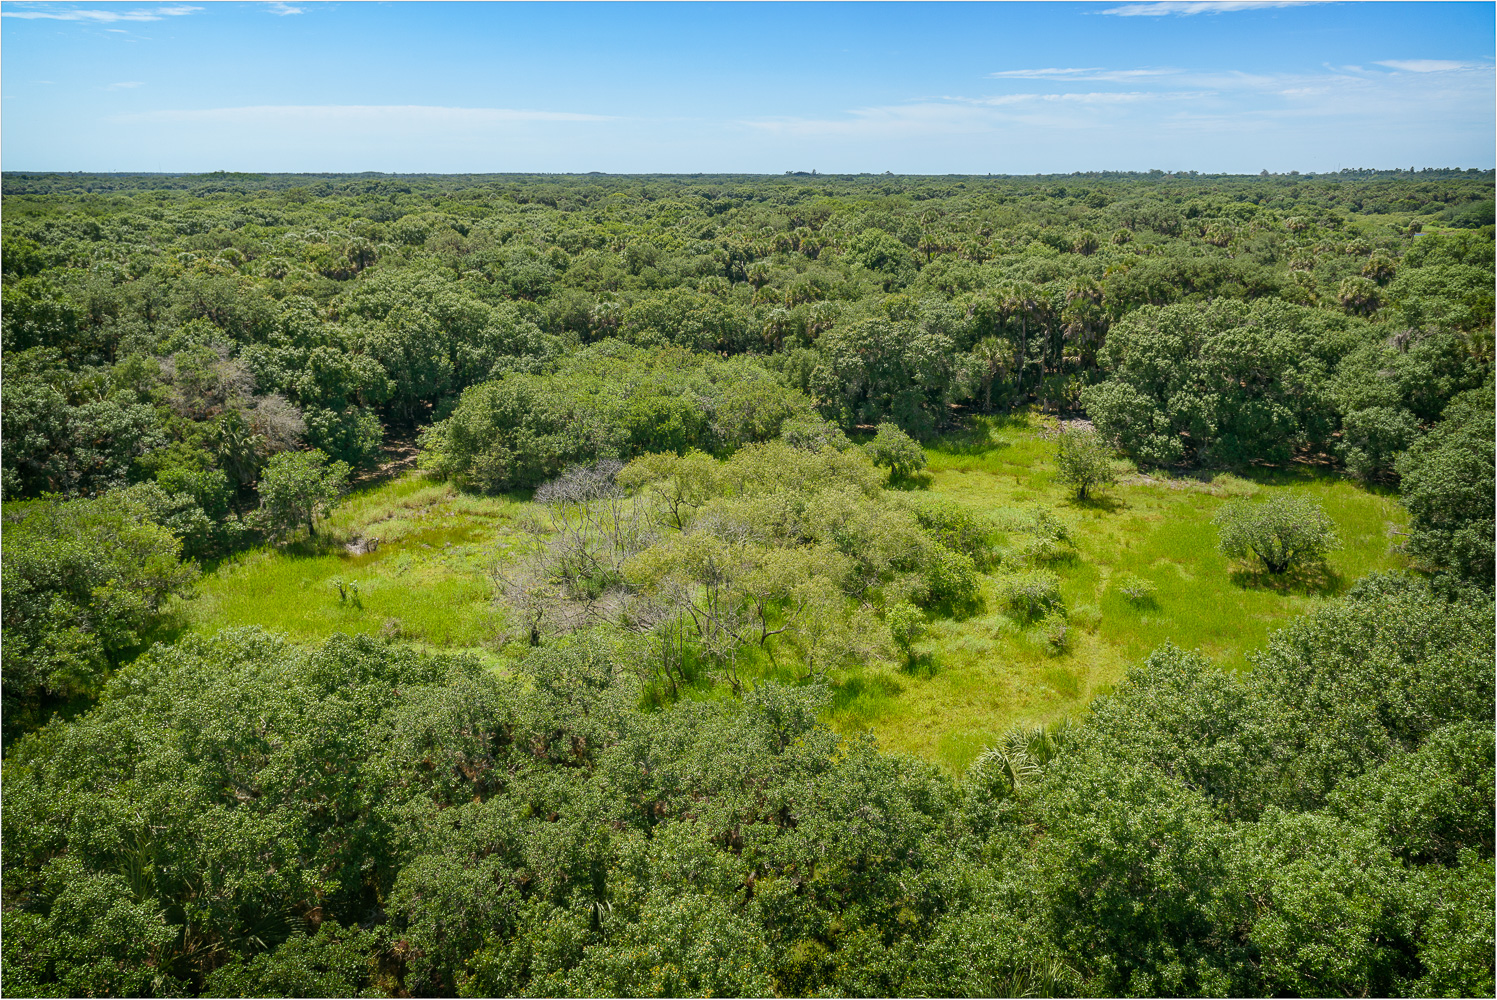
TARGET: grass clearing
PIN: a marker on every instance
(971, 679)
(978, 676)
(428, 581)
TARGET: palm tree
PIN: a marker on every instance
(992, 355)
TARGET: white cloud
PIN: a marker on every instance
(1094, 74)
(1095, 97)
(354, 115)
(1041, 74)
(98, 16)
(1185, 8)
(1424, 65)
(277, 7)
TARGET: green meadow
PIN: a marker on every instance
(430, 581)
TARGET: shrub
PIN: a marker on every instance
(906, 625)
(950, 578)
(1056, 630)
(1137, 590)
(1048, 538)
(1031, 595)
(1084, 462)
(1283, 531)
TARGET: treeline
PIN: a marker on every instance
(240, 817)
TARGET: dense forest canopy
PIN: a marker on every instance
(711, 392)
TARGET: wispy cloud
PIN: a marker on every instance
(54, 13)
(1095, 97)
(1185, 8)
(1094, 74)
(323, 115)
(1424, 65)
(277, 7)
(1164, 102)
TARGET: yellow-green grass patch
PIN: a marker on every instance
(974, 678)
(428, 581)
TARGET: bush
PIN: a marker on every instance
(906, 625)
(893, 449)
(1137, 590)
(1084, 462)
(1047, 537)
(1283, 531)
(1056, 630)
(1031, 595)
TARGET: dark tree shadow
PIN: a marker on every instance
(914, 481)
(1098, 501)
(310, 547)
(922, 665)
(1311, 578)
(845, 692)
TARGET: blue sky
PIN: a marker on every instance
(1236, 86)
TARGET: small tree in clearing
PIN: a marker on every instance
(896, 451)
(906, 625)
(1282, 531)
(296, 488)
(1084, 461)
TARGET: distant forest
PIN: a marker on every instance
(681, 370)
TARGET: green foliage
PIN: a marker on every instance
(1373, 439)
(608, 402)
(880, 370)
(86, 584)
(1283, 531)
(906, 626)
(1446, 486)
(1030, 596)
(1083, 462)
(1137, 590)
(1225, 384)
(893, 449)
(332, 962)
(296, 488)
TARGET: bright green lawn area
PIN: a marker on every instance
(429, 582)
(979, 676)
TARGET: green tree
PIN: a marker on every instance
(296, 488)
(1083, 462)
(906, 625)
(1283, 531)
(1447, 481)
(893, 449)
(86, 583)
